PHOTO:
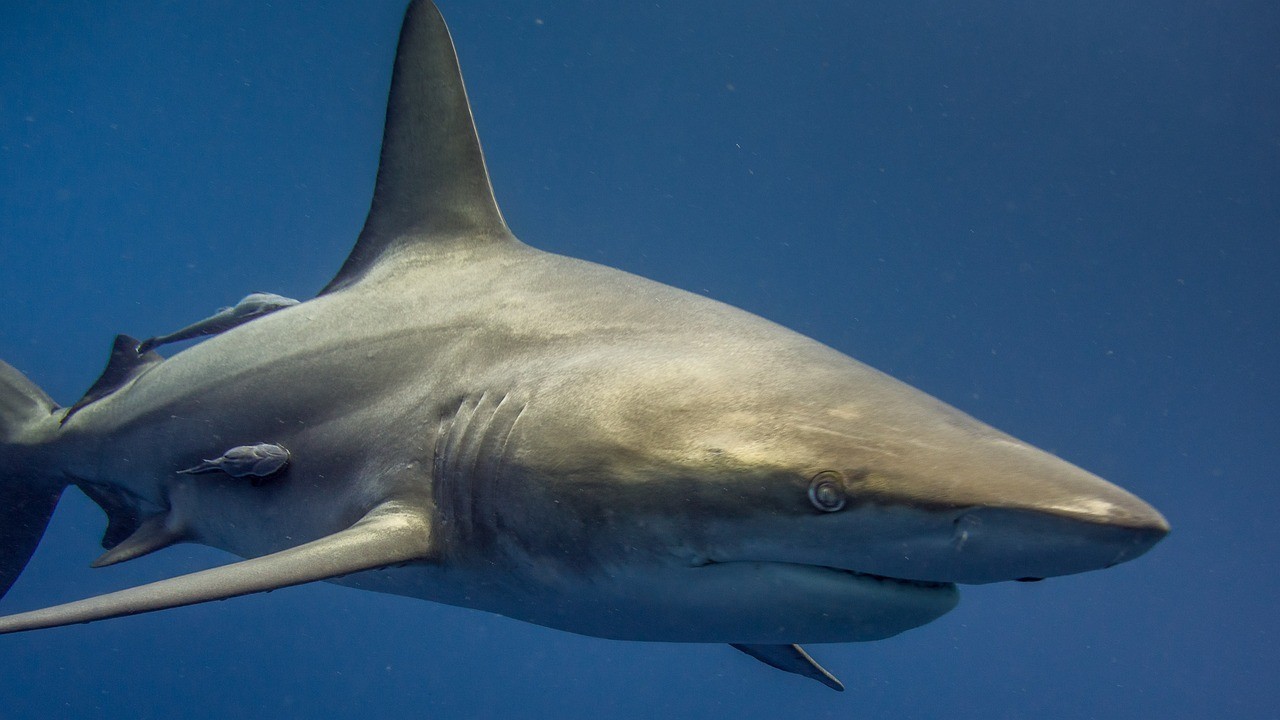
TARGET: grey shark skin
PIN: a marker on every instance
(473, 421)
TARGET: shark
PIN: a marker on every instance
(462, 418)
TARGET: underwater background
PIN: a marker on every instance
(1063, 218)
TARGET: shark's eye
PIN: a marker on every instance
(825, 492)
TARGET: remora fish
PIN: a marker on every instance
(462, 418)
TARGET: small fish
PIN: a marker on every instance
(258, 462)
(249, 308)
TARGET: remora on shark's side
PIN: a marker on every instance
(462, 418)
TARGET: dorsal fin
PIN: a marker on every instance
(432, 187)
(125, 365)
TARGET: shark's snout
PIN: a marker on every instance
(1037, 516)
(993, 544)
(958, 501)
(992, 510)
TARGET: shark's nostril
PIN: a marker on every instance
(963, 528)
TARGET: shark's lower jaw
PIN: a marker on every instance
(744, 602)
(797, 603)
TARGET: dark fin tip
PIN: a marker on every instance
(24, 514)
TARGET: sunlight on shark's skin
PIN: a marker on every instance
(462, 418)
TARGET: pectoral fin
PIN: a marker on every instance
(792, 659)
(391, 534)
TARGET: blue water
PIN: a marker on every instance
(1061, 218)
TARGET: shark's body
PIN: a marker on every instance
(472, 421)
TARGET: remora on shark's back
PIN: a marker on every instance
(462, 418)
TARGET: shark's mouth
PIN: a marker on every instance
(845, 573)
(927, 584)
(885, 582)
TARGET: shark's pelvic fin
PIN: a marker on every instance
(124, 515)
(155, 533)
(432, 189)
(391, 534)
(792, 659)
(125, 365)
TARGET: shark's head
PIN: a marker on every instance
(831, 501)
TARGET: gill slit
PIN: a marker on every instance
(472, 444)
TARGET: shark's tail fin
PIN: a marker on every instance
(27, 497)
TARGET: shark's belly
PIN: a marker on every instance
(750, 603)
